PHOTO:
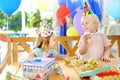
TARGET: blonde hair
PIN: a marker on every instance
(43, 42)
(92, 17)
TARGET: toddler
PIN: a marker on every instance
(93, 44)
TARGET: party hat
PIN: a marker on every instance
(46, 30)
(87, 9)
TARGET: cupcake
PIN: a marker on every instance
(87, 32)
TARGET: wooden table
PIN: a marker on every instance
(67, 71)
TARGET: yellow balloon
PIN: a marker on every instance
(72, 32)
(42, 5)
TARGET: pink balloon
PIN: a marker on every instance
(77, 22)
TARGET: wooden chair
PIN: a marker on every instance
(10, 61)
(71, 51)
(113, 39)
(63, 40)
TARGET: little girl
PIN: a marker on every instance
(45, 44)
(93, 44)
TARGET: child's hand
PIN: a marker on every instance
(75, 57)
(106, 59)
(86, 37)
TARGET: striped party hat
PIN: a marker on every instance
(87, 9)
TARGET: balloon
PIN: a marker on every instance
(3, 37)
(113, 8)
(62, 50)
(42, 5)
(77, 22)
(8, 6)
(73, 5)
(0, 6)
(62, 32)
(71, 31)
(61, 14)
(95, 8)
(62, 2)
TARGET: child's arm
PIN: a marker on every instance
(31, 56)
(106, 54)
(61, 56)
(83, 43)
(82, 49)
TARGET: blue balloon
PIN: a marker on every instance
(62, 32)
(9, 6)
(73, 5)
(62, 50)
(62, 2)
(113, 8)
(0, 7)
(95, 8)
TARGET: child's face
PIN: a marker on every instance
(88, 25)
(53, 41)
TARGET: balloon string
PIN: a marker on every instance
(7, 22)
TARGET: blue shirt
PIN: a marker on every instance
(40, 53)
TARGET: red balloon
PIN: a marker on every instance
(3, 37)
(61, 14)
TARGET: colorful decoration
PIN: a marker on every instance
(8, 6)
(72, 32)
(39, 69)
(87, 9)
(109, 75)
(38, 76)
(61, 14)
(95, 8)
(84, 64)
(113, 8)
(86, 67)
(45, 30)
(77, 22)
